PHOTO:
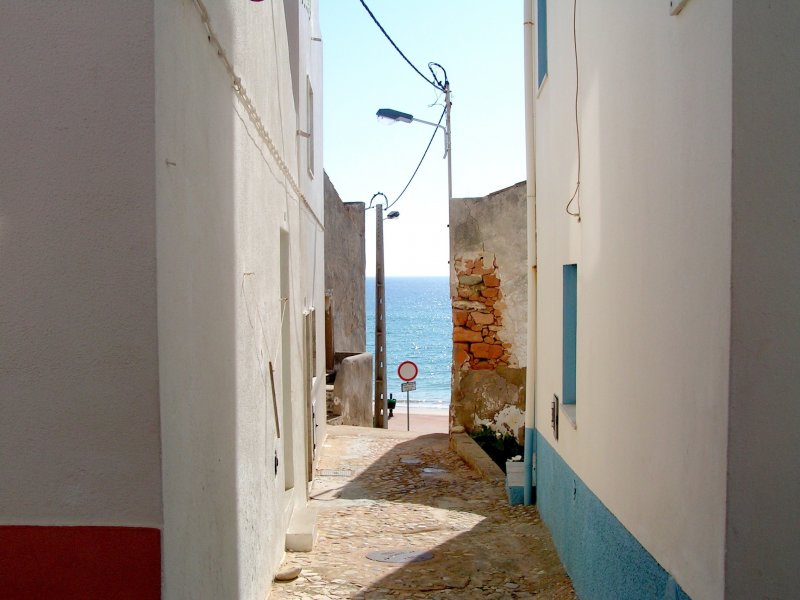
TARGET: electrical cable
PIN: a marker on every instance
(433, 74)
(575, 194)
(375, 195)
(253, 115)
(419, 164)
(434, 82)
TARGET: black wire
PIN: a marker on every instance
(375, 195)
(576, 195)
(424, 154)
(419, 164)
(433, 73)
(436, 83)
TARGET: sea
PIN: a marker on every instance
(418, 328)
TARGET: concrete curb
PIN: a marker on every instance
(476, 458)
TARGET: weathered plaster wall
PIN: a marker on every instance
(489, 299)
(230, 228)
(79, 424)
(352, 390)
(344, 270)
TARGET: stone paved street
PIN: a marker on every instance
(380, 490)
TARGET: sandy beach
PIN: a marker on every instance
(421, 420)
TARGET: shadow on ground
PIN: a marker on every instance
(413, 494)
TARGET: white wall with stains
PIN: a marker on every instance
(235, 217)
(653, 255)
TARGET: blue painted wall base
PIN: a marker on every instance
(602, 557)
(529, 452)
(515, 494)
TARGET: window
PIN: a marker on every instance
(310, 126)
(309, 383)
(310, 326)
(541, 39)
(570, 330)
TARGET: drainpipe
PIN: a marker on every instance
(530, 146)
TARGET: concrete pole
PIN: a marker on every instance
(530, 143)
(381, 402)
(448, 106)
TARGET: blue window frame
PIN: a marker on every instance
(570, 334)
(541, 38)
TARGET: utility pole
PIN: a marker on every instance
(448, 146)
(381, 402)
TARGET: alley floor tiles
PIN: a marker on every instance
(398, 496)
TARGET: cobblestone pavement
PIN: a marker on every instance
(379, 490)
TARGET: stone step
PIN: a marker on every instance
(302, 532)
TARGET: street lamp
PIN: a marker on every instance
(381, 401)
(389, 114)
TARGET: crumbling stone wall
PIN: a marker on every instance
(489, 299)
(478, 316)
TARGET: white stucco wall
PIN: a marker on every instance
(222, 203)
(653, 256)
(763, 528)
(79, 424)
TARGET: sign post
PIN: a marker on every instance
(407, 371)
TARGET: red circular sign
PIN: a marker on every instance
(407, 371)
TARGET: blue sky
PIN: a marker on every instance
(480, 45)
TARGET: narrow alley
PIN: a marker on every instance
(407, 497)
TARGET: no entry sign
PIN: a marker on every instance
(407, 371)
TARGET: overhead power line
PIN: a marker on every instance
(435, 81)
(414, 174)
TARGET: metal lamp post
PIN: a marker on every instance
(381, 419)
(381, 401)
(401, 117)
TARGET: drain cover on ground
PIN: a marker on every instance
(400, 556)
(334, 472)
(433, 471)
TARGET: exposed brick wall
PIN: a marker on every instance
(478, 316)
(488, 284)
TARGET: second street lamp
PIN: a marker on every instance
(381, 418)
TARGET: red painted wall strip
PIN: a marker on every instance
(85, 563)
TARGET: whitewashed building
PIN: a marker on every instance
(667, 294)
(161, 328)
